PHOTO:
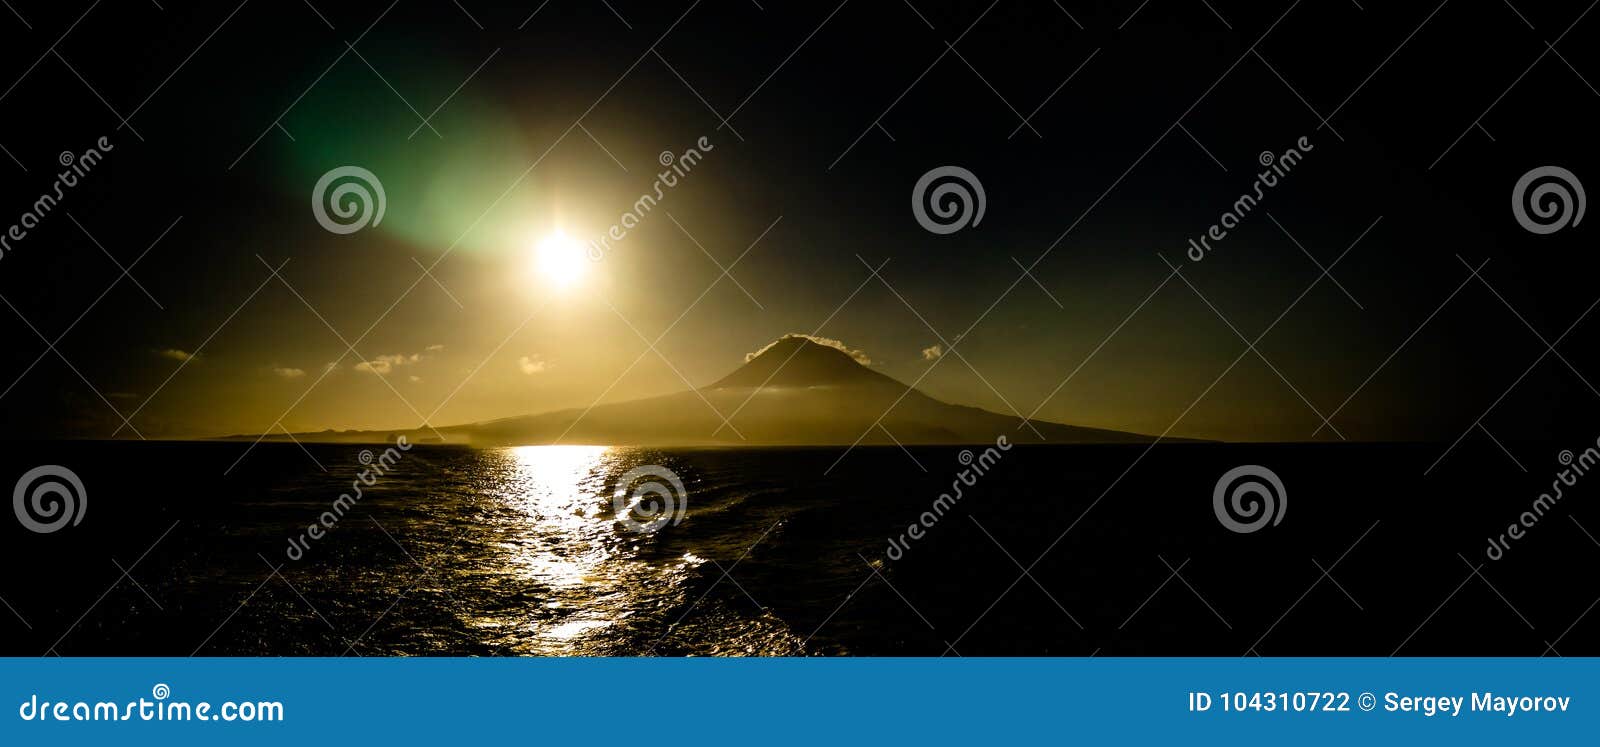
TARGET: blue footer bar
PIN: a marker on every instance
(798, 701)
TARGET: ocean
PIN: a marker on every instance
(187, 548)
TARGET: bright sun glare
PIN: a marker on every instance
(562, 261)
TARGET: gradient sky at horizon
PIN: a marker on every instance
(485, 337)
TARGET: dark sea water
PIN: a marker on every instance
(456, 551)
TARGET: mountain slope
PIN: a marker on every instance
(794, 392)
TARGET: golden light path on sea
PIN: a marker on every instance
(557, 494)
(556, 534)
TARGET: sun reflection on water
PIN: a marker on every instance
(556, 488)
(573, 573)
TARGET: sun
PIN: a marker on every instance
(561, 261)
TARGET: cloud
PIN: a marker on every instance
(860, 356)
(177, 355)
(933, 353)
(433, 348)
(531, 366)
(331, 367)
(288, 373)
(384, 364)
(415, 379)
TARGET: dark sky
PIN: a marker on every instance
(553, 121)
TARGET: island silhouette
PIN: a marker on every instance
(793, 392)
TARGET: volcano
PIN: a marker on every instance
(795, 391)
